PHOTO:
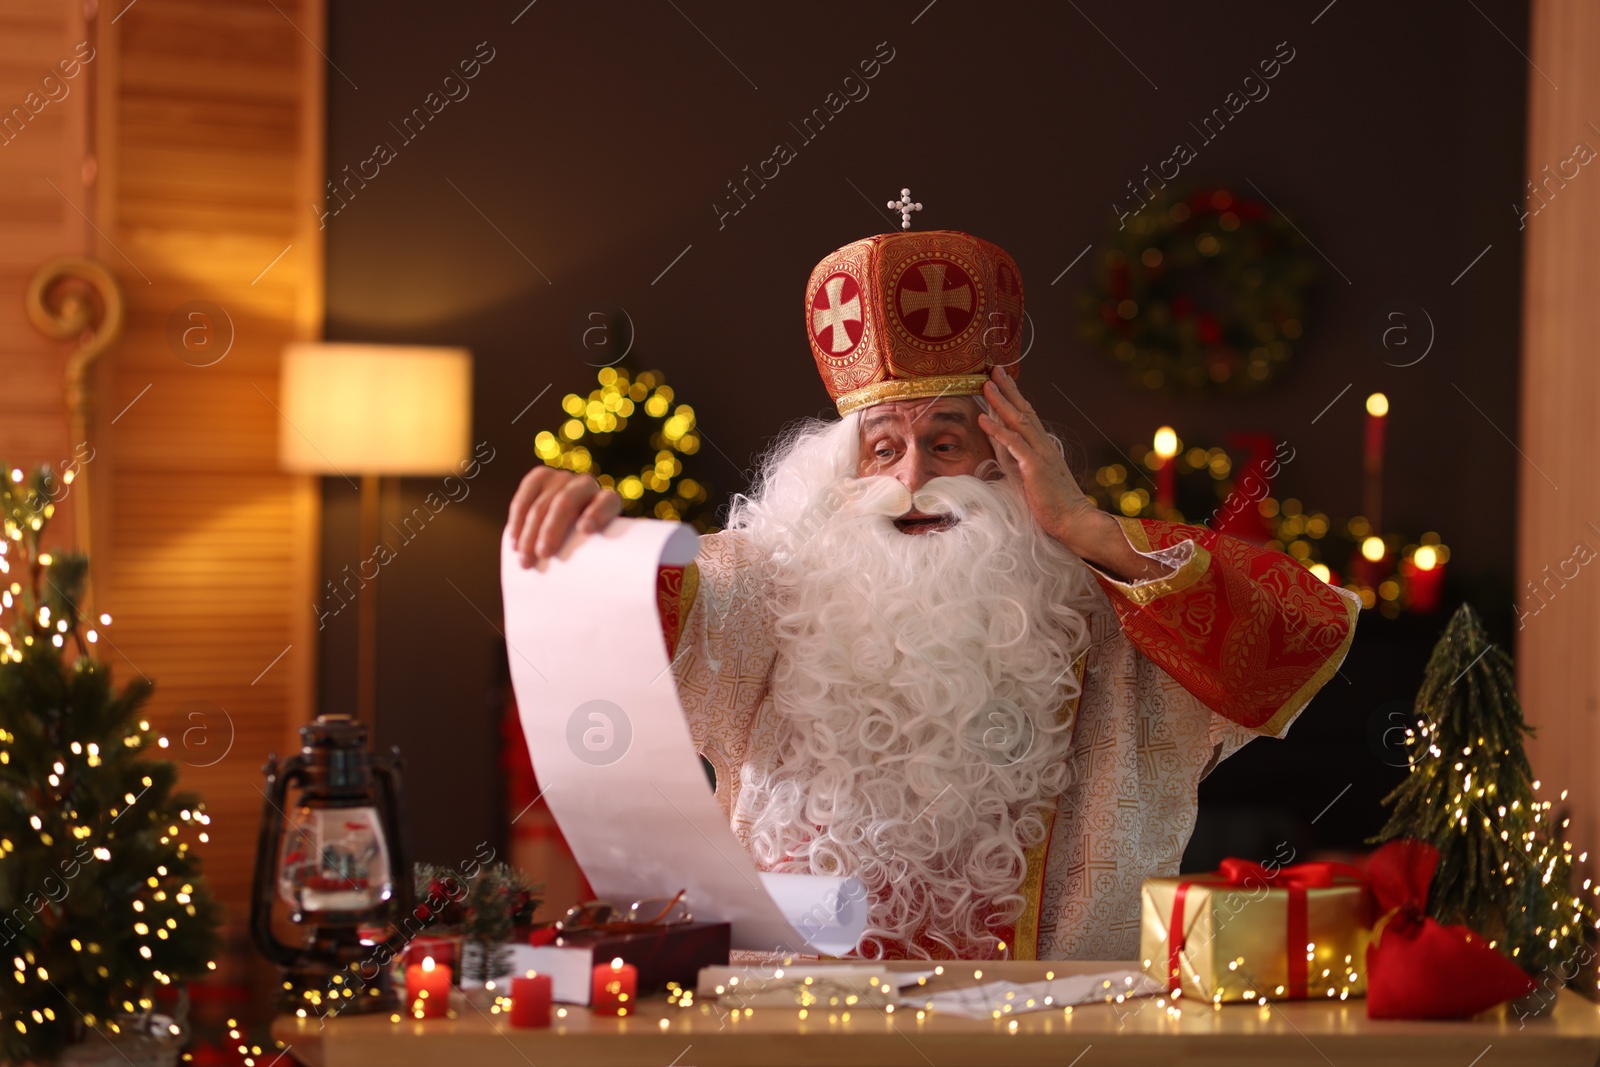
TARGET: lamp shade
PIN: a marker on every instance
(375, 409)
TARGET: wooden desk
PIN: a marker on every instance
(1313, 1033)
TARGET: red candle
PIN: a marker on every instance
(1423, 571)
(615, 986)
(1372, 457)
(1377, 412)
(1370, 563)
(428, 989)
(1166, 488)
(1166, 450)
(530, 1001)
(442, 949)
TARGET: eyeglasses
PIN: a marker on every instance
(605, 917)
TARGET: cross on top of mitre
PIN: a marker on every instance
(905, 207)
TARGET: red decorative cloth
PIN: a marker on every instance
(670, 603)
(1250, 632)
(1418, 968)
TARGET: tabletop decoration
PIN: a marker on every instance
(1258, 932)
(483, 910)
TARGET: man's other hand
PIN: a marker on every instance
(550, 504)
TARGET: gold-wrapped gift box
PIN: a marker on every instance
(1240, 929)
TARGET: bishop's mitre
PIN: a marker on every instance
(914, 314)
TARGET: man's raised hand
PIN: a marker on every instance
(1025, 450)
(550, 504)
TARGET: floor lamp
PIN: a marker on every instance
(371, 411)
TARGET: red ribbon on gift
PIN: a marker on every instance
(1237, 872)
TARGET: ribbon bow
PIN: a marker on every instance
(1418, 968)
(1241, 872)
(1302, 875)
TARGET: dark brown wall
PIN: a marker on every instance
(596, 142)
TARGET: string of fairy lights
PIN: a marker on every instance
(1506, 868)
(1532, 826)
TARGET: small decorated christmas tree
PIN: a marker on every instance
(1504, 869)
(484, 908)
(102, 905)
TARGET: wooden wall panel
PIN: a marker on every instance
(200, 582)
(210, 144)
(1558, 643)
(41, 166)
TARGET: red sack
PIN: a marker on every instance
(1418, 968)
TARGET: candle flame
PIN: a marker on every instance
(1426, 558)
(616, 963)
(428, 964)
(1372, 548)
(1377, 405)
(1166, 442)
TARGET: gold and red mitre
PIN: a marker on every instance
(905, 315)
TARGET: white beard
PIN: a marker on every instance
(919, 683)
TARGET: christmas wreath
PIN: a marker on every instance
(1206, 290)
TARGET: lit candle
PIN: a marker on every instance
(428, 988)
(1423, 571)
(442, 949)
(1372, 457)
(530, 1000)
(1370, 569)
(1166, 449)
(616, 984)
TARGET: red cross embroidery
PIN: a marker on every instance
(836, 315)
(937, 300)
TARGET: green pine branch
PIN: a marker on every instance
(484, 909)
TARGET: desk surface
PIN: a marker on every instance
(1316, 1033)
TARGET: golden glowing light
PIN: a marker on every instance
(1377, 405)
(606, 411)
(1426, 558)
(1166, 442)
(1372, 548)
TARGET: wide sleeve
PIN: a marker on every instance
(716, 619)
(1250, 632)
